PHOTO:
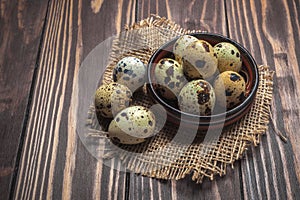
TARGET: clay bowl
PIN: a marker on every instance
(216, 119)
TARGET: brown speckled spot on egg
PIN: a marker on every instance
(170, 71)
(200, 63)
(115, 76)
(207, 111)
(219, 45)
(231, 104)
(203, 97)
(205, 86)
(171, 85)
(242, 96)
(167, 80)
(125, 115)
(128, 71)
(182, 79)
(234, 77)
(232, 52)
(116, 140)
(206, 47)
(228, 92)
(150, 123)
(237, 54)
(171, 61)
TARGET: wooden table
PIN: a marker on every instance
(42, 44)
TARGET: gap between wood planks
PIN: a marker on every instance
(28, 107)
(240, 166)
(127, 176)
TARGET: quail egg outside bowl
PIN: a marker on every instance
(220, 118)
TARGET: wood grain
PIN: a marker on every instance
(227, 187)
(56, 165)
(271, 34)
(20, 38)
(54, 162)
(192, 15)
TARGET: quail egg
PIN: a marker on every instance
(181, 44)
(112, 98)
(130, 71)
(169, 78)
(229, 57)
(199, 60)
(197, 97)
(230, 89)
(132, 125)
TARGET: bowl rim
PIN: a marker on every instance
(234, 110)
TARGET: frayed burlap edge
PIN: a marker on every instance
(230, 146)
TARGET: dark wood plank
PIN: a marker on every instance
(193, 15)
(21, 24)
(270, 30)
(54, 163)
(221, 188)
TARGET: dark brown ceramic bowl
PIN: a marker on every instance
(217, 119)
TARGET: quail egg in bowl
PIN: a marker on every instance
(224, 55)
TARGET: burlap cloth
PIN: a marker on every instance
(202, 160)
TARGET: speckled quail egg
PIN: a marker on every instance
(229, 57)
(169, 78)
(132, 125)
(230, 89)
(181, 44)
(112, 98)
(199, 60)
(130, 71)
(197, 97)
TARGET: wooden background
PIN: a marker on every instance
(42, 44)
